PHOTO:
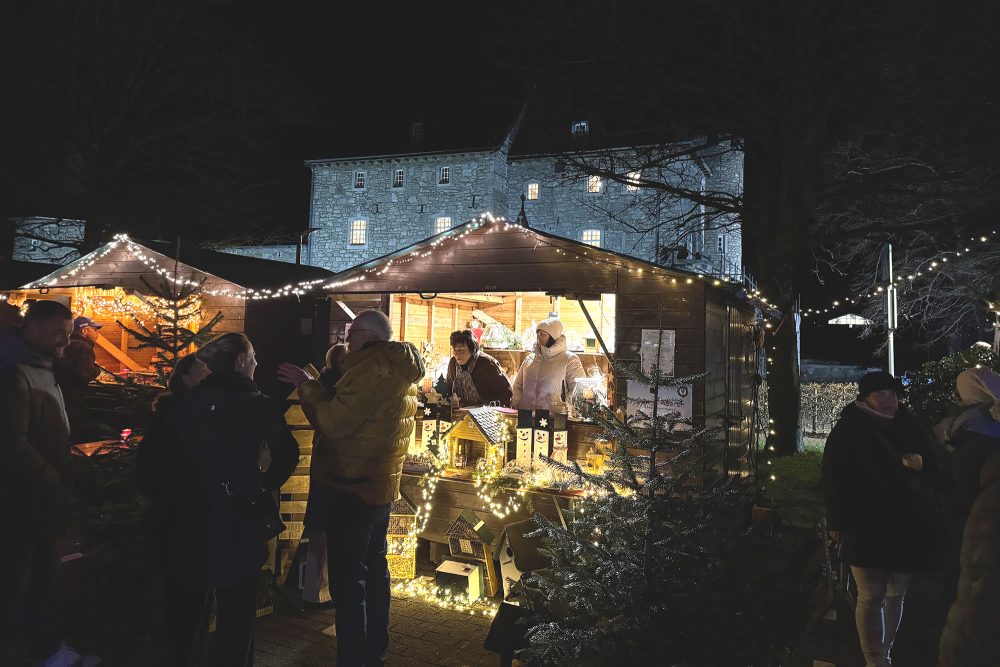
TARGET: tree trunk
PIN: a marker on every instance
(784, 401)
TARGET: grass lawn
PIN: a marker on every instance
(797, 493)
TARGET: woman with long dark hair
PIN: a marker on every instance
(225, 423)
(176, 514)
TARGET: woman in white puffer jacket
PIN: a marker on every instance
(539, 381)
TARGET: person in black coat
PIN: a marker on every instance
(224, 424)
(876, 465)
(176, 517)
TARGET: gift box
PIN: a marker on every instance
(458, 578)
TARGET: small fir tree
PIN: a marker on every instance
(645, 569)
(176, 306)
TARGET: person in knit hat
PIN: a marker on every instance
(549, 373)
(875, 461)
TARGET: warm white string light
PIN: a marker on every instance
(924, 268)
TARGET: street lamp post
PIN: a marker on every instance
(890, 310)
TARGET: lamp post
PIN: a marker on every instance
(890, 307)
(303, 239)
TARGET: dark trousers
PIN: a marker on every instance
(186, 606)
(359, 578)
(235, 616)
(28, 596)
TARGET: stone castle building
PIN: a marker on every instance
(366, 206)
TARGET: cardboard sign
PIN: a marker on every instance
(679, 399)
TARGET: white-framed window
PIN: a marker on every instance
(579, 128)
(398, 178)
(594, 184)
(633, 178)
(360, 178)
(442, 223)
(444, 175)
(532, 191)
(722, 243)
(358, 232)
(591, 237)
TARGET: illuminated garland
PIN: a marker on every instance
(420, 587)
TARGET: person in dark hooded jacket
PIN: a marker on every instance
(876, 461)
(224, 423)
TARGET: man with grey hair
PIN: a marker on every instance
(362, 435)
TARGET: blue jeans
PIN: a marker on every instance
(359, 578)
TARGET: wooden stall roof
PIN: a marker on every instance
(497, 255)
(120, 263)
(13, 274)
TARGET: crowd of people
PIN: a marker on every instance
(200, 465)
(900, 502)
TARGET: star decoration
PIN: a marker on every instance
(427, 412)
(543, 422)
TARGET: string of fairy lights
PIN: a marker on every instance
(935, 263)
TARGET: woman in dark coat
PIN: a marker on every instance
(474, 376)
(224, 424)
(167, 477)
(315, 585)
(876, 460)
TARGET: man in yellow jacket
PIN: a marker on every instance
(364, 430)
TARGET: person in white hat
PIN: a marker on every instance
(547, 370)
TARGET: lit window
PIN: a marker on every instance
(359, 180)
(532, 191)
(442, 224)
(591, 237)
(580, 128)
(444, 176)
(633, 179)
(397, 178)
(359, 232)
(593, 184)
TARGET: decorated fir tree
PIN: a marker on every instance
(646, 569)
(175, 324)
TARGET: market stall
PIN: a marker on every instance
(124, 282)
(500, 279)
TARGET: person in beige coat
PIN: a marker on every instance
(548, 374)
(364, 431)
(971, 636)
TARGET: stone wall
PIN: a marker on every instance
(394, 216)
(47, 240)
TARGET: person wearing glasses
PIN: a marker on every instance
(363, 434)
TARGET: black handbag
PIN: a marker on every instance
(261, 511)
(265, 516)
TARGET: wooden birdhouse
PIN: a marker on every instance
(478, 429)
(470, 539)
(402, 551)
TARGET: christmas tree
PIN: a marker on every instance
(647, 568)
(176, 322)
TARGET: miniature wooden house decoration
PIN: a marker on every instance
(402, 547)
(469, 539)
(475, 432)
(522, 451)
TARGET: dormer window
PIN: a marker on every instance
(417, 133)
(579, 128)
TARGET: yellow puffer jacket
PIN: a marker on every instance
(365, 428)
